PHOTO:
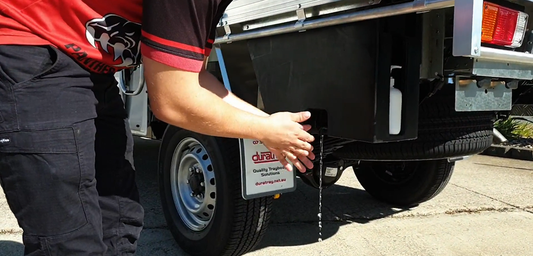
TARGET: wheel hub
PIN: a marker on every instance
(193, 184)
(196, 181)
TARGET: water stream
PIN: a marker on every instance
(320, 189)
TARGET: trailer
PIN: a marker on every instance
(399, 90)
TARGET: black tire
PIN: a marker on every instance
(404, 184)
(442, 133)
(237, 225)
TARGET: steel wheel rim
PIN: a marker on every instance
(192, 182)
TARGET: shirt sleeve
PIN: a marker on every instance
(180, 33)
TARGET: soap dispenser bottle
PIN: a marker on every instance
(395, 109)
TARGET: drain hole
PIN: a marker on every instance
(199, 150)
(213, 195)
(210, 168)
(205, 157)
(210, 207)
(206, 215)
(212, 181)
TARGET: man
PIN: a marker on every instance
(65, 146)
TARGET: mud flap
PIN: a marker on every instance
(261, 172)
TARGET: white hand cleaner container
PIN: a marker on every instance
(395, 108)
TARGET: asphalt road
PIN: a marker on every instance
(487, 209)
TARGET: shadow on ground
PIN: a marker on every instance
(10, 248)
(295, 222)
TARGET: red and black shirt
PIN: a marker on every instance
(106, 36)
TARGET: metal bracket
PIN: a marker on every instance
(432, 44)
(468, 15)
(227, 30)
(483, 95)
(300, 13)
(140, 82)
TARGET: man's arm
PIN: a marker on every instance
(177, 98)
(194, 101)
(211, 83)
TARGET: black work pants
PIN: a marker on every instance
(66, 155)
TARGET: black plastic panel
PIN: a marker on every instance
(343, 70)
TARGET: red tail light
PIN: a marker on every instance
(503, 26)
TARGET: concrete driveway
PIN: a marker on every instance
(487, 209)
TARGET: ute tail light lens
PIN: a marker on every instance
(503, 26)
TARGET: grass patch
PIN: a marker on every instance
(513, 128)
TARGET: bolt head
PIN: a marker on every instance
(201, 184)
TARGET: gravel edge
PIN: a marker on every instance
(520, 153)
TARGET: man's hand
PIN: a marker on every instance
(210, 83)
(288, 139)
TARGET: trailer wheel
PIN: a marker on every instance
(406, 183)
(200, 191)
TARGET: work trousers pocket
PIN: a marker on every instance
(20, 66)
(43, 179)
